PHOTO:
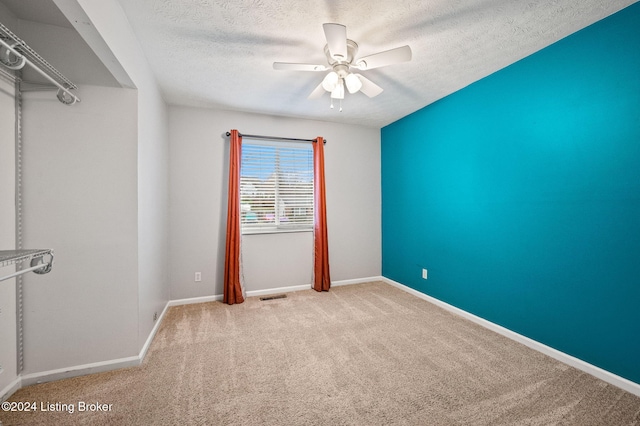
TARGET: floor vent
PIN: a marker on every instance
(276, 296)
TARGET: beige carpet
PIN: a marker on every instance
(366, 354)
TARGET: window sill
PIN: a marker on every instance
(274, 231)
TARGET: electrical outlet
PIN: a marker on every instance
(198, 277)
(155, 316)
(1, 369)
(424, 274)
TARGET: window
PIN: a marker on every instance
(276, 187)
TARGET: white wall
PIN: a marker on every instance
(8, 366)
(153, 210)
(109, 20)
(198, 171)
(80, 199)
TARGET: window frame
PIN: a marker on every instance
(277, 228)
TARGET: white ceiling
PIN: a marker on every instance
(219, 53)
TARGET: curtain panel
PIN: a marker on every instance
(321, 278)
(233, 291)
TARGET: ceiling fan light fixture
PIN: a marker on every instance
(330, 81)
(338, 92)
(353, 83)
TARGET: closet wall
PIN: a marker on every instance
(95, 189)
(80, 198)
(8, 374)
(7, 232)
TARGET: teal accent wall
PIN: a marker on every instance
(521, 196)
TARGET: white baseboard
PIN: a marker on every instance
(69, 372)
(154, 330)
(251, 293)
(268, 291)
(10, 389)
(309, 286)
(356, 281)
(192, 300)
(79, 370)
(591, 369)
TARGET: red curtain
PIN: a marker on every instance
(232, 284)
(321, 279)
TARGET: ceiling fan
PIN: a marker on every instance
(341, 56)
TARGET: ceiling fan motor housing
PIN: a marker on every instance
(352, 51)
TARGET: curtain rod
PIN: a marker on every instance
(277, 138)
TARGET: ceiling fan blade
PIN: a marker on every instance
(388, 57)
(317, 92)
(287, 66)
(369, 88)
(336, 35)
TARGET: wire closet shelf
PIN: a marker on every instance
(15, 54)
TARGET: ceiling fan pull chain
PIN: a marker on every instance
(331, 103)
(340, 105)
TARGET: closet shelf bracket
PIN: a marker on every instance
(41, 261)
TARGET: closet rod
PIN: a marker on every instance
(35, 256)
(20, 56)
(24, 271)
(22, 59)
(276, 138)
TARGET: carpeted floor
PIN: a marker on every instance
(366, 354)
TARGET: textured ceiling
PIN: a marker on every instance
(220, 52)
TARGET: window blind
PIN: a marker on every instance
(276, 186)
